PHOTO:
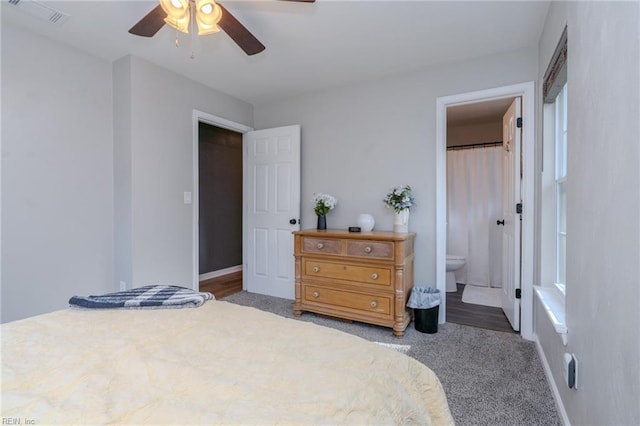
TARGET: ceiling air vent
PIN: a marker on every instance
(41, 11)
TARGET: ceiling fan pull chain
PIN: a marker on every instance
(192, 56)
(192, 11)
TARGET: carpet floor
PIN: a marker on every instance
(490, 377)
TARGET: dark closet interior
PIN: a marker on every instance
(220, 198)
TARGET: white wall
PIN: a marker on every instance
(463, 134)
(122, 172)
(57, 180)
(360, 141)
(95, 159)
(603, 200)
(154, 152)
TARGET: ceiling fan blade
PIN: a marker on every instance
(150, 24)
(239, 33)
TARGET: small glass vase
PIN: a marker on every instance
(322, 222)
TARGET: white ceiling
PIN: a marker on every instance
(309, 46)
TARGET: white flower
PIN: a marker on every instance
(323, 203)
(399, 198)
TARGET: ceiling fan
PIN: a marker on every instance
(207, 14)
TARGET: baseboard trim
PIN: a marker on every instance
(552, 383)
(219, 273)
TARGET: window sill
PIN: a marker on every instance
(553, 302)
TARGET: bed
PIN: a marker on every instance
(219, 363)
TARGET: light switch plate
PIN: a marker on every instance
(187, 198)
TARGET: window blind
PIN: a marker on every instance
(556, 75)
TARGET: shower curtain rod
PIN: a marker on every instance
(474, 145)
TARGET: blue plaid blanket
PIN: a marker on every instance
(148, 297)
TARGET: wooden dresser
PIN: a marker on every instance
(364, 277)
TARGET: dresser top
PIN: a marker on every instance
(340, 233)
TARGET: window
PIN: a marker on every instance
(561, 188)
(553, 202)
(553, 271)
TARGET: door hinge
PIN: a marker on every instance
(518, 293)
(519, 208)
(519, 122)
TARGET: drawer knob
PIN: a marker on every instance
(316, 269)
(374, 276)
(374, 304)
(367, 249)
(316, 294)
(320, 246)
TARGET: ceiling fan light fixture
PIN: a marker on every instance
(208, 14)
(178, 14)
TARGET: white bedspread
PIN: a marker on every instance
(217, 364)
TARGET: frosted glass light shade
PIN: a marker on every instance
(178, 14)
(208, 14)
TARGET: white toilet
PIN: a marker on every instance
(453, 264)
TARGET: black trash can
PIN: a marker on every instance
(425, 302)
(426, 320)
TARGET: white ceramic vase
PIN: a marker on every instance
(401, 221)
(366, 222)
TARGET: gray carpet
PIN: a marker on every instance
(490, 377)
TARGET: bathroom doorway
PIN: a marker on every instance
(474, 212)
(523, 297)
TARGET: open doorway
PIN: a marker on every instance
(271, 178)
(216, 268)
(523, 298)
(475, 187)
(220, 209)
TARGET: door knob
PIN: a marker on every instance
(293, 221)
(500, 222)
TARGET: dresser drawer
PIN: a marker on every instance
(345, 299)
(321, 245)
(343, 271)
(375, 249)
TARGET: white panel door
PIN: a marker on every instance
(512, 179)
(272, 206)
